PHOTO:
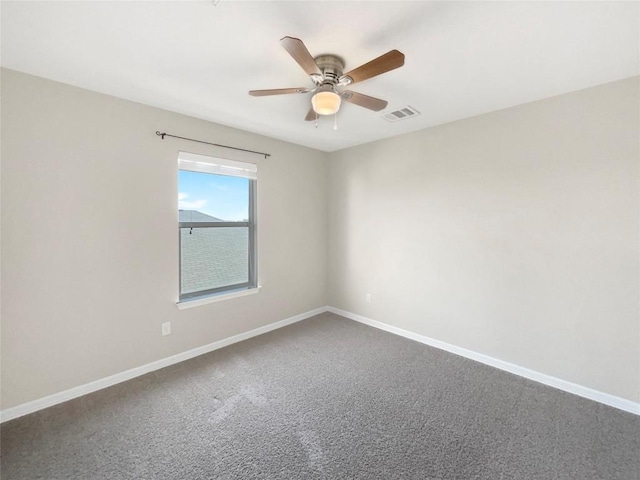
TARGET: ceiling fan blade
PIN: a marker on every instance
(312, 115)
(277, 91)
(300, 54)
(365, 101)
(384, 63)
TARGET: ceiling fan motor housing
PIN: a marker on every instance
(331, 67)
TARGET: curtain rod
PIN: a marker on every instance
(164, 134)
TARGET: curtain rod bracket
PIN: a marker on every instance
(165, 134)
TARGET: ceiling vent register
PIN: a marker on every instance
(401, 114)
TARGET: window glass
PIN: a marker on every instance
(217, 232)
(219, 196)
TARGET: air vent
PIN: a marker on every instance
(401, 114)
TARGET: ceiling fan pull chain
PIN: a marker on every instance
(335, 121)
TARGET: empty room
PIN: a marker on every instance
(320, 240)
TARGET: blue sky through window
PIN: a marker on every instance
(221, 196)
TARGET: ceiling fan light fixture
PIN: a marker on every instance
(326, 103)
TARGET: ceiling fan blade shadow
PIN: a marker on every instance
(372, 103)
(300, 54)
(277, 91)
(384, 63)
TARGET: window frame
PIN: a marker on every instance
(252, 281)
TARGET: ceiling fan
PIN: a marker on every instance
(326, 73)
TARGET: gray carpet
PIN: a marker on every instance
(326, 398)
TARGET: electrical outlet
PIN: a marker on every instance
(367, 298)
(166, 328)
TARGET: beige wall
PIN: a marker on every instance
(513, 234)
(89, 236)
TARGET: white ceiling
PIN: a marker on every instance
(462, 58)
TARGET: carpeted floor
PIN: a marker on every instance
(326, 398)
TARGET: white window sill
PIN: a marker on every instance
(220, 297)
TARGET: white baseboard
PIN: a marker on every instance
(591, 394)
(51, 400)
(60, 397)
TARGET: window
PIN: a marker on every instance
(216, 204)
